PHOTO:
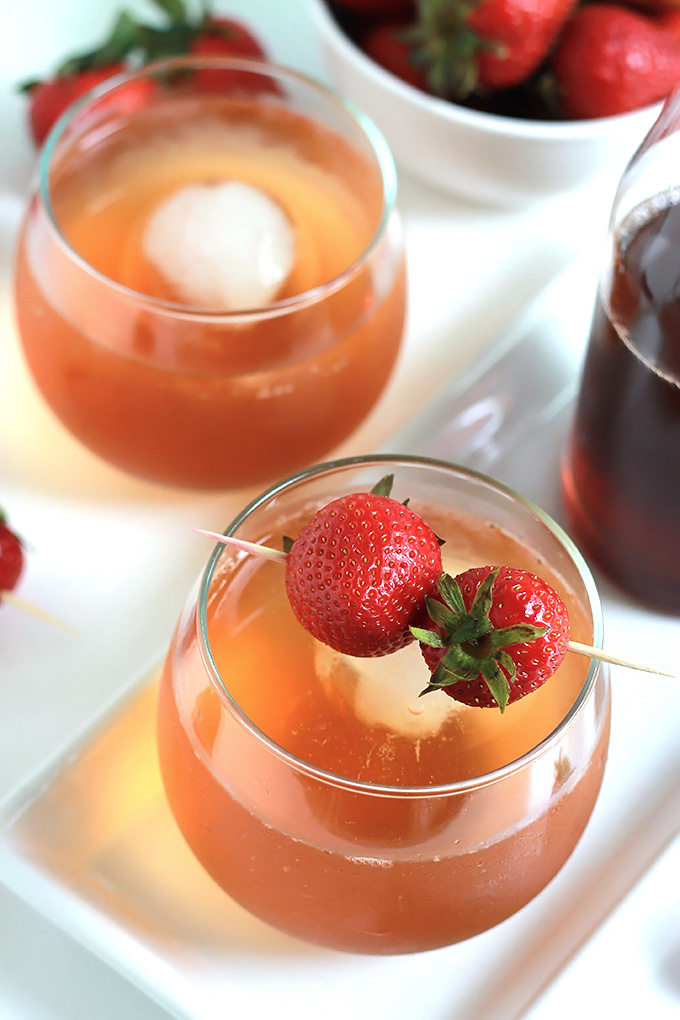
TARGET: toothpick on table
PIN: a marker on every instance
(574, 646)
(28, 607)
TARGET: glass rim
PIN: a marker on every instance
(376, 789)
(376, 141)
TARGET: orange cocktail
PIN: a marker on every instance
(210, 283)
(321, 792)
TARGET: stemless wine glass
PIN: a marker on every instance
(147, 349)
(622, 467)
(320, 791)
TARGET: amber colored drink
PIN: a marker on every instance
(329, 799)
(622, 474)
(172, 390)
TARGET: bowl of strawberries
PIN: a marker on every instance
(506, 102)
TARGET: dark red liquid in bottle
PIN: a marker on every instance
(622, 473)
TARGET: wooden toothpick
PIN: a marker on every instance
(28, 607)
(616, 660)
(249, 547)
(574, 646)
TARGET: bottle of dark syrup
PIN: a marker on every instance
(621, 473)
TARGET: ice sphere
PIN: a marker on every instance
(383, 691)
(225, 246)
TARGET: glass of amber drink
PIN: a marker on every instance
(320, 791)
(210, 281)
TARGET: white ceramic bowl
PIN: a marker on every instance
(501, 161)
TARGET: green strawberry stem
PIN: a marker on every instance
(446, 47)
(132, 38)
(278, 556)
(472, 645)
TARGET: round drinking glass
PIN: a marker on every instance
(321, 792)
(210, 278)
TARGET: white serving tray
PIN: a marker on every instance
(89, 841)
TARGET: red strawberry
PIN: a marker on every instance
(499, 634)
(390, 46)
(358, 573)
(224, 37)
(654, 6)
(487, 44)
(49, 99)
(377, 8)
(11, 556)
(130, 39)
(611, 60)
(670, 22)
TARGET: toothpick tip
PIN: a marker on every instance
(240, 543)
(615, 660)
(12, 599)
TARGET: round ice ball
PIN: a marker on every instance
(225, 246)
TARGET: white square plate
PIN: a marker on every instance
(90, 842)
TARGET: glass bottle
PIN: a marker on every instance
(621, 473)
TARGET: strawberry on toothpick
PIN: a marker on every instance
(12, 562)
(358, 573)
(365, 577)
(498, 634)
(11, 557)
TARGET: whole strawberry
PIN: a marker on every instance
(358, 573)
(611, 60)
(499, 634)
(670, 22)
(11, 556)
(225, 37)
(480, 45)
(132, 42)
(377, 8)
(50, 98)
(390, 44)
(656, 6)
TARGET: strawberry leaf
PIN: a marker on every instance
(470, 630)
(497, 682)
(481, 605)
(515, 635)
(428, 637)
(124, 38)
(384, 486)
(429, 689)
(451, 593)
(175, 9)
(441, 614)
(507, 662)
(444, 676)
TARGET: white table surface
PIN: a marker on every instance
(98, 541)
